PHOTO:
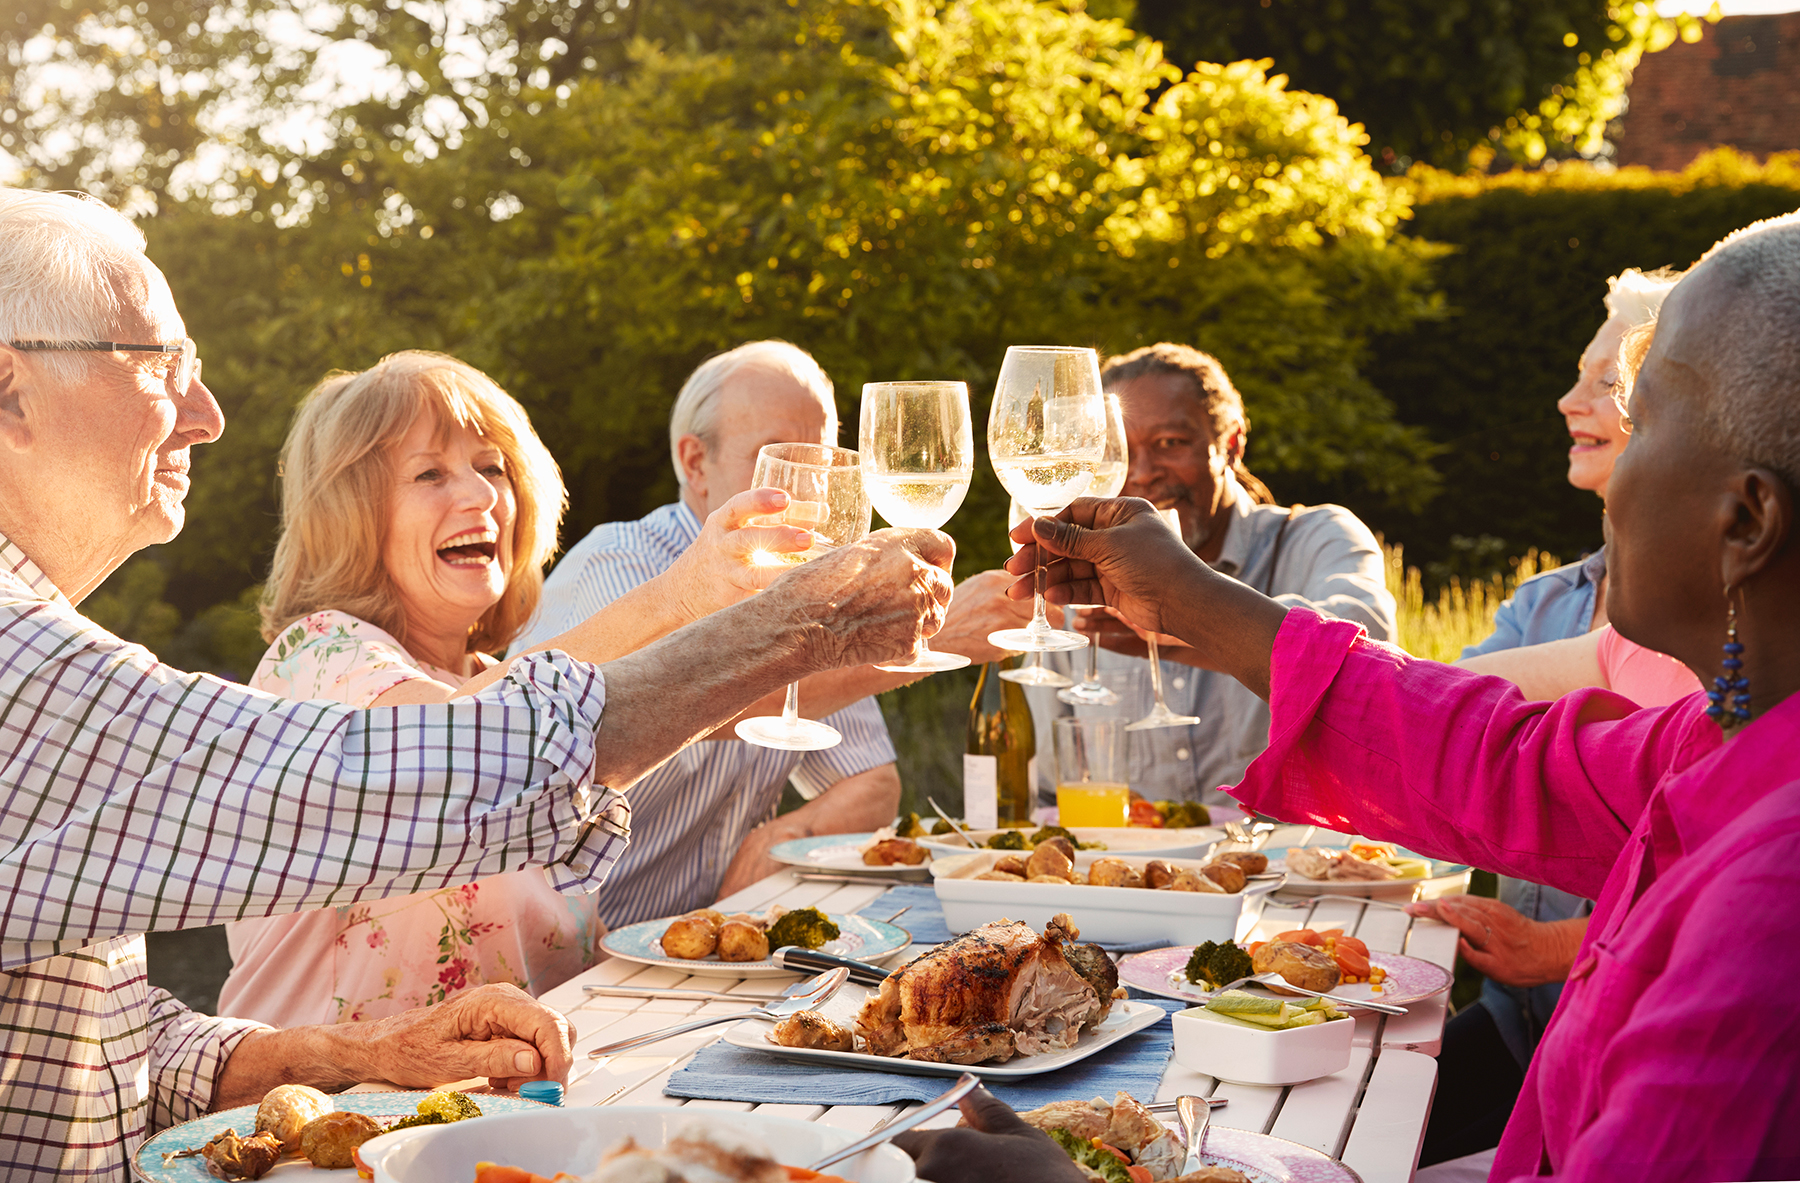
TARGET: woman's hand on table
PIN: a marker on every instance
(719, 569)
(1503, 943)
(995, 1148)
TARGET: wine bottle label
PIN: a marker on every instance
(981, 792)
(1031, 786)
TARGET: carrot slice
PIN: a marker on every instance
(492, 1172)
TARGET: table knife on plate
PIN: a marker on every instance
(808, 961)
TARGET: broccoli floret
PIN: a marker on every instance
(806, 927)
(1182, 814)
(940, 826)
(439, 1108)
(1215, 964)
(1049, 832)
(909, 826)
(1008, 840)
(1104, 1163)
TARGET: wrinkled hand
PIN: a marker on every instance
(497, 1031)
(717, 570)
(1116, 552)
(979, 607)
(873, 600)
(1503, 943)
(998, 1149)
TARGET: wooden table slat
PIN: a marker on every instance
(1389, 1125)
(1318, 1113)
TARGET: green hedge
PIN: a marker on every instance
(1523, 285)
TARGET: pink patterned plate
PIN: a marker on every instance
(1272, 1160)
(1408, 978)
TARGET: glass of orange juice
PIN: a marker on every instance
(1090, 772)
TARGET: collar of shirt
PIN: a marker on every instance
(19, 563)
(1593, 568)
(1235, 554)
(684, 525)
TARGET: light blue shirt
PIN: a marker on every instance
(690, 815)
(1550, 607)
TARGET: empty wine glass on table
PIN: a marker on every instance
(1033, 672)
(1160, 715)
(1109, 478)
(918, 454)
(1046, 436)
(825, 495)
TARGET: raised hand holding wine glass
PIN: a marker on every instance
(1046, 437)
(826, 496)
(1109, 478)
(918, 455)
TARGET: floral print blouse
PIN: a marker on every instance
(377, 958)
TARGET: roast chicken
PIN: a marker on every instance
(993, 993)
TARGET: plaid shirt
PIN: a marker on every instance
(136, 798)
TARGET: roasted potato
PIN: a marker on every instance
(1060, 843)
(1056, 879)
(1114, 872)
(712, 914)
(285, 1111)
(231, 1157)
(1052, 859)
(1303, 965)
(1190, 880)
(1012, 864)
(1001, 876)
(690, 937)
(891, 852)
(740, 940)
(1229, 876)
(1158, 873)
(1254, 862)
(327, 1141)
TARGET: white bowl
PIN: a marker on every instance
(1110, 915)
(551, 1140)
(1245, 1055)
(1144, 840)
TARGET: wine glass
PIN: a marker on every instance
(918, 454)
(1046, 435)
(1033, 672)
(1160, 715)
(1109, 478)
(825, 495)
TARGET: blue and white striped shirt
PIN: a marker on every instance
(689, 816)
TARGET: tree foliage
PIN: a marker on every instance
(1433, 79)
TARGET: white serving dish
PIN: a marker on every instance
(1244, 1055)
(1109, 915)
(573, 1140)
(1144, 840)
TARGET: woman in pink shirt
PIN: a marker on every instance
(418, 510)
(1672, 1055)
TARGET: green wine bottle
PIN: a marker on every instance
(1000, 761)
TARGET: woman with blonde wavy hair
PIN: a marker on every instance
(418, 510)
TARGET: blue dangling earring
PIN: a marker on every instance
(1732, 681)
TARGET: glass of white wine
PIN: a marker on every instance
(1033, 672)
(1160, 715)
(918, 455)
(1046, 435)
(825, 495)
(1109, 478)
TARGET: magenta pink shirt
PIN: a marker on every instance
(1675, 1052)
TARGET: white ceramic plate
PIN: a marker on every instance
(1441, 873)
(860, 937)
(1409, 979)
(1127, 1018)
(573, 1140)
(1272, 1160)
(386, 1108)
(1191, 843)
(843, 853)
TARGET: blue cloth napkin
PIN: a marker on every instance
(926, 919)
(721, 1072)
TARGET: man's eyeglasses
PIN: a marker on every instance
(180, 362)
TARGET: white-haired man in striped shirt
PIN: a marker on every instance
(704, 822)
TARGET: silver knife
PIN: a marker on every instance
(812, 961)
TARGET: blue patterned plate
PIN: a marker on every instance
(861, 938)
(843, 853)
(385, 1108)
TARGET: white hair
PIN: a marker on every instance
(66, 262)
(697, 406)
(1635, 297)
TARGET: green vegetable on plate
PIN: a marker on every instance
(807, 928)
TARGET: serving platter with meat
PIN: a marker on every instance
(1002, 1001)
(1362, 869)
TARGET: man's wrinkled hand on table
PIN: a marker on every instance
(497, 1031)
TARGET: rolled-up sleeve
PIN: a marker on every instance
(187, 1052)
(140, 798)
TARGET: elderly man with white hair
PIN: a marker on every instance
(135, 797)
(706, 820)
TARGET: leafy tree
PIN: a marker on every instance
(1433, 79)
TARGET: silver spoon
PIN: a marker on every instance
(816, 992)
(1195, 1115)
(965, 1084)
